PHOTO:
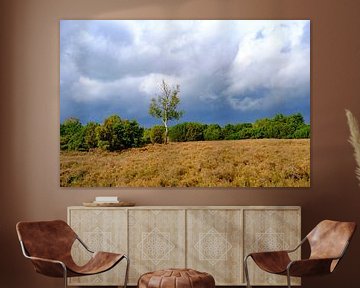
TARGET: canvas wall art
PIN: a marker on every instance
(184, 103)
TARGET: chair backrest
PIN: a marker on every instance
(329, 239)
(46, 239)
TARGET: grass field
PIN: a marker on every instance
(238, 163)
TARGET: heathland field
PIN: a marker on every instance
(233, 163)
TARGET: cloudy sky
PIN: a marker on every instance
(228, 71)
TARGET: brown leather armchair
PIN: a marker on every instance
(328, 242)
(48, 245)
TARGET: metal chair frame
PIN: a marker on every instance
(23, 249)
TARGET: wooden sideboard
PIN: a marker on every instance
(212, 239)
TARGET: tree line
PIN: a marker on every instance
(116, 134)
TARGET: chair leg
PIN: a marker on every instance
(288, 278)
(127, 271)
(246, 270)
(65, 276)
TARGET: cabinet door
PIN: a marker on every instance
(156, 240)
(101, 230)
(214, 244)
(270, 230)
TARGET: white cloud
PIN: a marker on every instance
(250, 65)
(150, 84)
(276, 61)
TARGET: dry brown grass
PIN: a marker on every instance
(238, 163)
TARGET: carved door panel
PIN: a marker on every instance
(269, 230)
(214, 244)
(157, 240)
(101, 230)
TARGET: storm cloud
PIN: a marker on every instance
(228, 71)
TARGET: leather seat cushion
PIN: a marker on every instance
(176, 278)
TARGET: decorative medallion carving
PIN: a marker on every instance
(213, 246)
(156, 246)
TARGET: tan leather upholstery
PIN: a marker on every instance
(328, 239)
(52, 240)
(176, 278)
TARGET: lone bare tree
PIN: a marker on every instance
(165, 107)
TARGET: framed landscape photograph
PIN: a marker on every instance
(185, 103)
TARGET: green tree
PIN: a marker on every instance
(228, 130)
(165, 107)
(70, 132)
(146, 136)
(245, 133)
(177, 133)
(77, 141)
(187, 131)
(302, 132)
(117, 134)
(237, 131)
(213, 132)
(91, 140)
(195, 131)
(132, 134)
(107, 133)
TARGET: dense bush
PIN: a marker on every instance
(245, 133)
(90, 137)
(113, 134)
(146, 136)
(177, 133)
(187, 131)
(118, 134)
(195, 131)
(72, 135)
(303, 132)
(157, 134)
(213, 132)
(234, 131)
(281, 127)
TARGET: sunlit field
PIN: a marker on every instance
(238, 163)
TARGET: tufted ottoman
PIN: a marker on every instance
(176, 278)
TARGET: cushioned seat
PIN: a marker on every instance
(176, 278)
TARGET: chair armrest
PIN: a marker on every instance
(48, 267)
(280, 251)
(84, 245)
(309, 267)
(268, 254)
(45, 260)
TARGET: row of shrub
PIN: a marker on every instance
(118, 134)
(279, 127)
(114, 134)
